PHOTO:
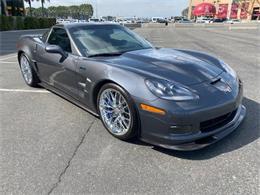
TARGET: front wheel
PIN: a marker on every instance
(28, 72)
(117, 112)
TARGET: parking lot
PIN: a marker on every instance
(49, 145)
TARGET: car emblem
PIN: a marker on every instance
(227, 88)
(222, 86)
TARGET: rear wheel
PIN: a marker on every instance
(29, 75)
(117, 112)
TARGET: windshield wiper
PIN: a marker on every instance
(106, 54)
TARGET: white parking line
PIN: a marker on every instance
(7, 57)
(24, 90)
(1, 62)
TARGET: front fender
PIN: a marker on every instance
(133, 83)
(27, 46)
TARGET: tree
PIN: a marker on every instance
(83, 11)
(185, 12)
(42, 2)
(30, 5)
(86, 10)
(247, 6)
(35, 12)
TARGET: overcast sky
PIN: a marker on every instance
(141, 8)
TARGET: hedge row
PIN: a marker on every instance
(20, 23)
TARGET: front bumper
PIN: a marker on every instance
(200, 139)
(196, 124)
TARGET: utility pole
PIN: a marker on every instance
(190, 9)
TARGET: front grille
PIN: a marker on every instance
(212, 124)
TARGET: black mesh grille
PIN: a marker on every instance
(212, 124)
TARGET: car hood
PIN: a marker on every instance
(185, 67)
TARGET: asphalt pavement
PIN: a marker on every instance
(50, 146)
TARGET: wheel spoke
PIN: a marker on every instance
(122, 123)
(115, 111)
(105, 105)
(126, 119)
(26, 70)
(116, 98)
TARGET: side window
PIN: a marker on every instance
(60, 37)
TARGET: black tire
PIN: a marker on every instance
(134, 127)
(35, 80)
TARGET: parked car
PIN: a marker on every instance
(156, 19)
(94, 20)
(162, 20)
(140, 21)
(82, 21)
(63, 21)
(176, 19)
(184, 21)
(218, 20)
(203, 20)
(173, 98)
(233, 21)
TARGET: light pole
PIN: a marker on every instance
(190, 10)
(216, 3)
(229, 8)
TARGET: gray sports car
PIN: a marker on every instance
(177, 99)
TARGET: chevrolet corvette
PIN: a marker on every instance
(172, 98)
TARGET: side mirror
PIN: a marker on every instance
(56, 49)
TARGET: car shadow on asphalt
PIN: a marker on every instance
(246, 133)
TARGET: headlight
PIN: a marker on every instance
(170, 91)
(228, 69)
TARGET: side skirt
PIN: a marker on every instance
(67, 97)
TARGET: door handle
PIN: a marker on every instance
(35, 49)
(82, 68)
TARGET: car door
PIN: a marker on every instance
(83, 80)
(53, 69)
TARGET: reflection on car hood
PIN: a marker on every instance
(170, 64)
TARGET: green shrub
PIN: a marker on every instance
(2, 23)
(42, 22)
(19, 23)
(10, 21)
(6, 23)
(52, 21)
(31, 23)
(46, 22)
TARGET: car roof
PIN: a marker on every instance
(72, 25)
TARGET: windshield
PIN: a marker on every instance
(106, 39)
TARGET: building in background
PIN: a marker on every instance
(224, 9)
(12, 7)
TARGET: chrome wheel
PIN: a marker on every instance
(115, 112)
(26, 70)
